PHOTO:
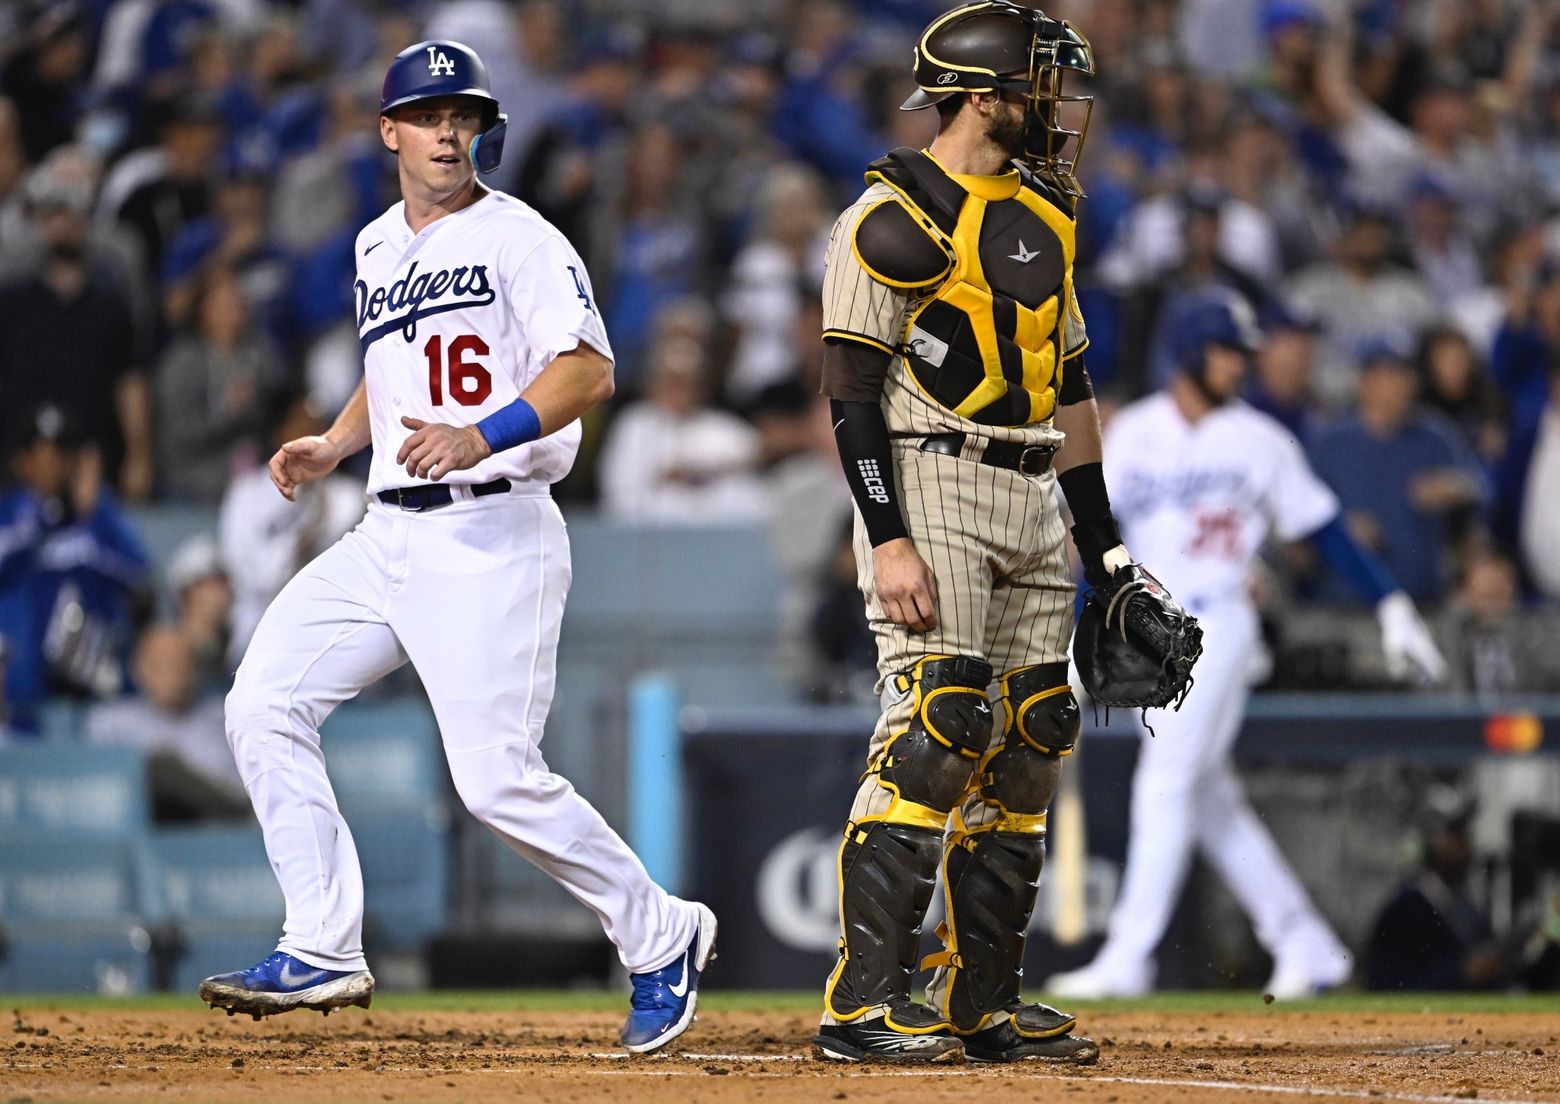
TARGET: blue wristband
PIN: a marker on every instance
(514, 425)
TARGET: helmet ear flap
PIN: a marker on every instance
(487, 148)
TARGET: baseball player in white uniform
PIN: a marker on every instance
(482, 346)
(1198, 480)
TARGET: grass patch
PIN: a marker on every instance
(808, 1001)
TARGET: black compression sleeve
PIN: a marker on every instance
(862, 437)
(1094, 528)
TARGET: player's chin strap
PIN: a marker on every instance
(487, 148)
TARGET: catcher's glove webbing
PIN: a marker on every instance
(1135, 645)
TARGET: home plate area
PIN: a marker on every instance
(394, 1051)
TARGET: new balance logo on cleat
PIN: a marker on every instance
(893, 1040)
(901, 1032)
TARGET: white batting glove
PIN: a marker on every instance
(1405, 640)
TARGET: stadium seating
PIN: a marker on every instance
(63, 787)
(72, 906)
(384, 751)
(218, 889)
(404, 850)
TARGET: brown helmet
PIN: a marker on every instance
(998, 46)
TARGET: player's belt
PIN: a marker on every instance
(1026, 459)
(430, 496)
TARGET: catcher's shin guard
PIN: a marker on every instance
(887, 872)
(991, 871)
(991, 878)
(888, 861)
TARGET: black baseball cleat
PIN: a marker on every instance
(1030, 1033)
(898, 1031)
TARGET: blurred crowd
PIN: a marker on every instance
(181, 182)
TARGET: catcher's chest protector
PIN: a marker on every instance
(986, 343)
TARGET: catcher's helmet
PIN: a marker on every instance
(443, 68)
(996, 45)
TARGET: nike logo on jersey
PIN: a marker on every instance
(298, 979)
(411, 293)
(373, 247)
(680, 990)
(1024, 254)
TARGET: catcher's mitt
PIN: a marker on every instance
(1135, 645)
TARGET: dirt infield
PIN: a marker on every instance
(393, 1054)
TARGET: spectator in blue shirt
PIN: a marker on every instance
(1527, 349)
(1403, 474)
(70, 571)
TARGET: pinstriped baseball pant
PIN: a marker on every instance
(995, 542)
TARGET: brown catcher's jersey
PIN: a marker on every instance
(967, 282)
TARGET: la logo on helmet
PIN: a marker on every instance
(439, 62)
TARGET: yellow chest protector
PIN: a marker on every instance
(986, 342)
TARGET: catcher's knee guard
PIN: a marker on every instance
(887, 872)
(1040, 708)
(928, 766)
(1042, 721)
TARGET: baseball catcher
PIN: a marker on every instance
(953, 358)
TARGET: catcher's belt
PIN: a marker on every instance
(986, 342)
(1025, 459)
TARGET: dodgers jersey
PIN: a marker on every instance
(457, 320)
(1196, 501)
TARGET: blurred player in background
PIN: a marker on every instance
(482, 347)
(1200, 480)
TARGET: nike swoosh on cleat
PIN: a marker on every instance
(288, 977)
(680, 990)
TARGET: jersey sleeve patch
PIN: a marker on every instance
(895, 250)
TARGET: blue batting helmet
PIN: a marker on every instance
(1226, 320)
(442, 68)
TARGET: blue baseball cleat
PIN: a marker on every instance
(665, 1000)
(281, 983)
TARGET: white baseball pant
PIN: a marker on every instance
(472, 593)
(1186, 795)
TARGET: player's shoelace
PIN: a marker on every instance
(266, 969)
(652, 991)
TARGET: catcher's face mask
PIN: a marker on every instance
(997, 46)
